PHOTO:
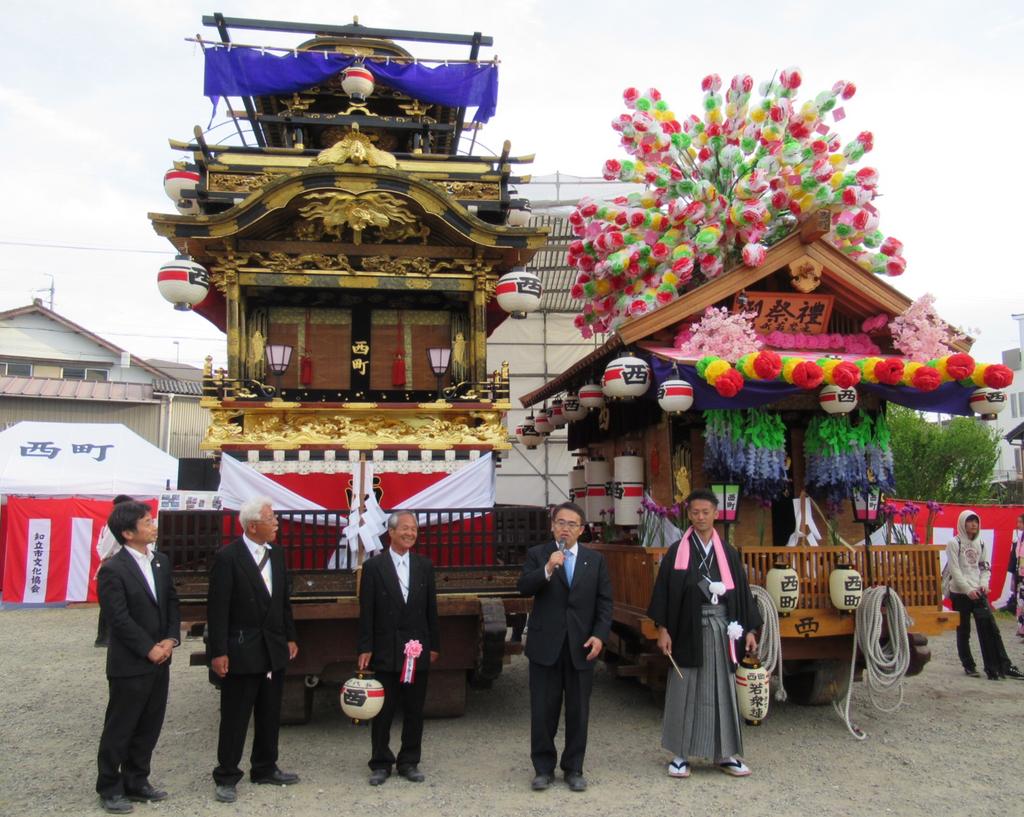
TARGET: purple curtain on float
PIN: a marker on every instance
(242, 71)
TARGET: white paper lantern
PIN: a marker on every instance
(542, 422)
(628, 489)
(357, 81)
(675, 396)
(557, 414)
(837, 400)
(845, 588)
(591, 396)
(573, 409)
(599, 495)
(177, 183)
(362, 698)
(528, 435)
(183, 282)
(518, 292)
(988, 401)
(626, 377)
(578, 485)
(752, 690)
(783, 584)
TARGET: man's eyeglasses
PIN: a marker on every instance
(565, 523)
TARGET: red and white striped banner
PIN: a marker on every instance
(50, 549)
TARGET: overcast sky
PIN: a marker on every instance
(90, 93)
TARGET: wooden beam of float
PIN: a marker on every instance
(331, 279)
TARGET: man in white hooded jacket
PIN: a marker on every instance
(970, 568)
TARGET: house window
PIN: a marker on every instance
(96, 374)
(74, 373)
(18, 369)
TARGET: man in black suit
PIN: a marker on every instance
(397, 609)
(569, 623)
(251, 639)
(138, 601)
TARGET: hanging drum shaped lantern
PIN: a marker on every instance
(591, 396)
(518, 292)
(557, 414)
(542, 422)
(577, 485)
(599, 497)
(573, 409)
(845, 587)
(176, 183)
(183, 282)
(628, 489)
(357, 81)
(837, 400)
(783, 585)
(626, 377)
(528, 435)
(362, 698)
(988, 402)
(675, 396)
(752, 690)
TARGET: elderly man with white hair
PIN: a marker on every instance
(251, 639)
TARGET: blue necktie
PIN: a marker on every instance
(570, 563)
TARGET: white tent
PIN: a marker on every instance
(82, 459)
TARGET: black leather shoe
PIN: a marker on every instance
(412, 774)
(992, 676)
(378, 776)
(1013, 672)
(576, 781)
(117, 804)
(146, 794)
(971, 672)
(542, 781)
(276, 778)
(225, 794)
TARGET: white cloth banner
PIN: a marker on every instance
(81, 558)
(470, 487)
(239, 483)
(37, 565)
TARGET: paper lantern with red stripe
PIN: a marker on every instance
(626, 377)
(628, 489)
(591, 396)
(988, 402)
(557, 414)
(599, 490)
(362, 698)
(836, 400)
(176, 184)
(542, 422)
(518, 292)
(675, 396)
(528, 435)
(573, 409)
(357, 81)
(183, 282)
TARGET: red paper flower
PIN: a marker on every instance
(960, 366)
(845, 375)
(927, 379)
(998, 376)
(729, 383)
(889, 371)
(767, 365)
(808, 375)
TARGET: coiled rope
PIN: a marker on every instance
(769, 648)
(885, 665)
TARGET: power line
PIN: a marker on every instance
(43, 245)
(118, 334)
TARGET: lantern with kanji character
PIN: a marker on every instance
(183, 282)
(752, 690)
(837, 400)
(518, 292)
(845, 588)
(362, 698)
(626, 377)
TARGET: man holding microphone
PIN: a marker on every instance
(569, 623)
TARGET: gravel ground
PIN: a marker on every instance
(949, 749)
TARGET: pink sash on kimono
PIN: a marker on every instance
(683, 556)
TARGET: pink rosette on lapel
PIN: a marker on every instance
(413, 650)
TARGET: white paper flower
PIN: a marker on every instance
(734, 630)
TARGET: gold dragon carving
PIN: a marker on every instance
(338, 211)
(357, 149)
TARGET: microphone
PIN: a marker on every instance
(560, 544)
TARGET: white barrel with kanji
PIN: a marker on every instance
(578, 485)
(598, 474)
(628, 489)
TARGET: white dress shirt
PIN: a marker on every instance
(257, 552)
(145, 562)
(402, 569)
(569, 553)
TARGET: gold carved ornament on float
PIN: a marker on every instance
(337, 211)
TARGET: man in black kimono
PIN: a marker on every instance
(702, 606)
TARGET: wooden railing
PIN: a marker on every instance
(911, 570)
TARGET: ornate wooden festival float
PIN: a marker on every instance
(752, 347)
(356, 262)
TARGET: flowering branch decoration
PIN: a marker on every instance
(721, 189)
(920, 334)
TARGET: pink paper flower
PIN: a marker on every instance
(413, 649)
